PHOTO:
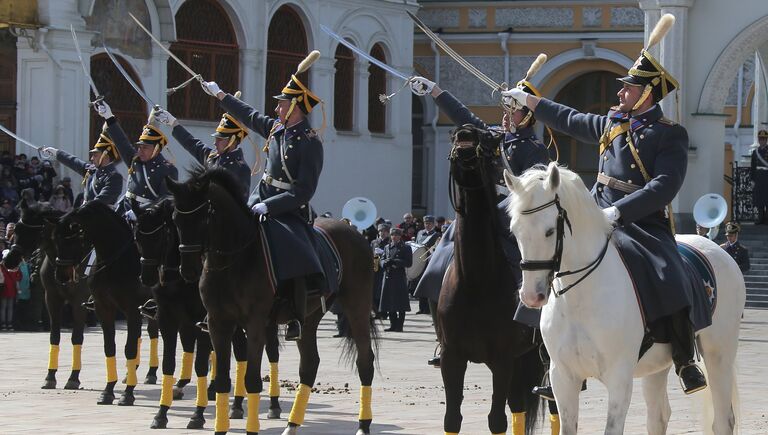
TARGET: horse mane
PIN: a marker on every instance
(42, 210)
(199, 177)
(100, 209)
(583, 211)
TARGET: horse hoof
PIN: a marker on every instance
(159, 423)
(126, 399)
(72, 385)
(150, 380)
(196, 423)
(50, 384)
(291, 430)
(236, 413)
(274, 413)
(362, 432)
(178, 393)
(106, 399)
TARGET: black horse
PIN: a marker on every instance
(113, 280)
(237, 290)
(33, 241)
(179, 308)
(478, 298)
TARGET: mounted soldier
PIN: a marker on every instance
(147, 168)
(521, 150)
(642, 165)
(759, 174)
(101, 180)
(294, 163)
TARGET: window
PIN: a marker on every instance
(128, 107)
(206, 42)
(7, 88)
(286, 48)
(419, 168)
(344, 89)
(377, 85)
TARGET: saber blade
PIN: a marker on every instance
(160, 44)
(363, 54)
(128, 77)
(82, 63)
(18, 139)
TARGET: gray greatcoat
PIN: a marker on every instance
(394, 289)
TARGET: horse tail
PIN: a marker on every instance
(529, 372)
(349, 347)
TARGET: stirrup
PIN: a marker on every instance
(203, 325)
(149, 309)
(293, 337)
(89, 305)
(695, 389)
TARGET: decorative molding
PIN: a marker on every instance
(478, 18)
(592, 17)
(627, 17)
(749, 78)
(436, 18)
(534, 17)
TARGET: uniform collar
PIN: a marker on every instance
(638, 120)
(297, 128)
(521, 133)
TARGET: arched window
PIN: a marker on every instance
(593, 92)
(377, 85)
(286, 47)
(126, 104)
(7, 88)
(206, 42)
(344, 89)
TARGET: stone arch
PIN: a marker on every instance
(303, 13)
(721, 76)
(554, 66)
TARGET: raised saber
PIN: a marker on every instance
(363, 54)
(160, 44)
(95, 91)
(129, 79)
(25, 142)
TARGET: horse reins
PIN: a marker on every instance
(553, 265)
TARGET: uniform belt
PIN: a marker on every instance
(617, 184)
(137, 198)
(275, 183)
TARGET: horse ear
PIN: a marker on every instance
(512, 182)
(553, 177)
(23, 204)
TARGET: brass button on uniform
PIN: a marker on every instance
(632, 166)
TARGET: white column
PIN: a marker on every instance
(652, 15)
(759, 101)
(673, 54)
(361, 97)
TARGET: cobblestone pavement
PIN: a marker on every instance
(407, 394)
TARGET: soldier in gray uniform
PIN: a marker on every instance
(100, 177)
(294, 163)
(642, 165)
(759, 173)
(147, 168)
(225, 152)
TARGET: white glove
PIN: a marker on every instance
(164, 117)
(515, 98)
(103, 109)
(48, 152)
(259, 208)
(378, 251)
(421, 86)
(130, 216)
(612, 214)
(211, 88)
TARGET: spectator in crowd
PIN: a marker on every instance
(28, 195)
(7, 175)
(67, 183)
(407, 222)
(46, 185)
(8, 289)
(409, 233)
(9, 192)
(59, 200)
(23, 296)
(439, 222)
(735, 249)
(7, 212)
(5, 159)
(372, 232)
(10, 228)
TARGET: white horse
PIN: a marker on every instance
(595, 329)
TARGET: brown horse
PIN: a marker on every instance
(213, 219)
(479, 295)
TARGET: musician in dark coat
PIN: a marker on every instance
(294, 163)
(642, 165)
(394, 290)
(225, 152)
(378, 246)
(426, 237)
(147, 167)
(101, 179)
(735, 249)
(759, 175)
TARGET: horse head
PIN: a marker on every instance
(191, 216)
(548, 237)
(36, 224)
(472, 158)
(154, 238)
(69, 239)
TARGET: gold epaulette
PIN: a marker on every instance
(667, 121)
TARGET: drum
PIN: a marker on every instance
(420, 257)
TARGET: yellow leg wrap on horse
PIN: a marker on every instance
(77, 356)
(202, 391)
(366, 413)
(154, 361)
(554, 420)
(451, 433)
(299, 408)
(222, 412)
(130, 378)
(111, 369)
(53, 357)
(166, 393)
(213, 366)
(240, 378)
(252, 419)
(186, 365)
(274, 382)
(518, 423)
(138, 352)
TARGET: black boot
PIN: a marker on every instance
(293, 333)
(89, 305)
(149, 309)
(682, 339)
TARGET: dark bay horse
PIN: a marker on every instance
(478, 295)
(113, 280)
(33, 241)
(179, 309)
(223, 247)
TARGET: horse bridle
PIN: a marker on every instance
(20, 225)
(553, 265)
(466, 164)
(198, 248)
